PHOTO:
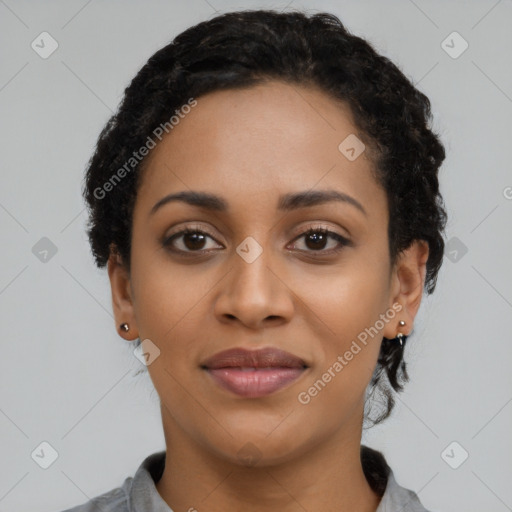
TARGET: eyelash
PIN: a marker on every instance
(167, 242)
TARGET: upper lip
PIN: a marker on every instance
(260, 358)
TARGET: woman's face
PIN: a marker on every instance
(254, 280)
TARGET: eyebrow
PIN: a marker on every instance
(286, 203)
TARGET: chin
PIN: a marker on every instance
(263, 447)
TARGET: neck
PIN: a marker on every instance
(327, 477)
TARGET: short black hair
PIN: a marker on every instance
(241, 49)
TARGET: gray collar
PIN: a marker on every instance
(143, 495)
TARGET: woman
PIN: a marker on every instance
(267, 204)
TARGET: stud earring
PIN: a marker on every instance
(401, 337)
(125, 327)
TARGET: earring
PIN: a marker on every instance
(400, 336)
(125, 327)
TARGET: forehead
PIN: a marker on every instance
(260, 142)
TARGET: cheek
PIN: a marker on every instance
(349, 350)
(172, 311)
(345, 305)
(165, 293)
(347, 298)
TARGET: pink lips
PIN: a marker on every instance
(254, 373)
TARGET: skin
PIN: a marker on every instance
(249, 147)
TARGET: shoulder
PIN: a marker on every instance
(397, 497)
(382, 480)
(115, 500)
(136, 493)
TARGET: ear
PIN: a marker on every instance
(122, 302)
(407, 282)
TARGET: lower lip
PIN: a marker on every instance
(255, 383)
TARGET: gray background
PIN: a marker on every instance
(67, 378)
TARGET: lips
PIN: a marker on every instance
(262, 358)
(254, 373)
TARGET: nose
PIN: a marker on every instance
(255, 294)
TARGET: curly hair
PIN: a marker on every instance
(241, 49)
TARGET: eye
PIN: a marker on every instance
(188, 240)
(317, 238)
(194, 240)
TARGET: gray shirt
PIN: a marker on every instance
(139, 494)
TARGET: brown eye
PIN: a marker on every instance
(317, 239)
(188, 240)
(194, 241)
